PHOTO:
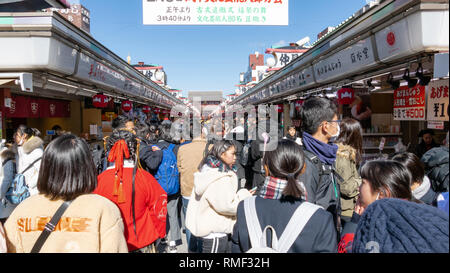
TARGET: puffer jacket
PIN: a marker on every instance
(214, 201)
(29, 152)
(436, 163)
(349, 186)
(7, 173)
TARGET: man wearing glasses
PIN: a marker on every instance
(320, 126)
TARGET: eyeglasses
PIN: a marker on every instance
(337, 121)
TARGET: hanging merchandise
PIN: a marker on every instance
(127, 105)
(100, 101)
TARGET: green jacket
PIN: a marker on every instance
(349, 186)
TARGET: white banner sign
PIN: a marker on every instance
(437, 125)
(437, 106)
(198, 12)
(354, 58)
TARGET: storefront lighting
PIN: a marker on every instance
(411, 82)
(423, 80)
(64, 84)
(394, 84)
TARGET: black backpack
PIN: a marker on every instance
(98, 156)
(329, 192)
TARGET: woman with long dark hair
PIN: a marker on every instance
(211, 212)
(281, 201)
(90, 224)
(138, 195)
(348, 159)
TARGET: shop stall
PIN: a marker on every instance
(381, 67)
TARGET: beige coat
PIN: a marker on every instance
(346, 168)
(91, 224)
(214, 201)
(189, 157)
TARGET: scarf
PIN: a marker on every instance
(420, 191)
(325, 152)
(273, 188)
(213, 162)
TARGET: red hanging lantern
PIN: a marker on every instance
(280, 108)
(346, 95)
(146, 109)
(298, 104)
(100, 101)
(157, 110)
(127, 105)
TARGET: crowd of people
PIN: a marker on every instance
(223, 189)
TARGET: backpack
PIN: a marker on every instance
(167, 174)
(98, 156)
(329, 192)
(19, 191)
(258, 238)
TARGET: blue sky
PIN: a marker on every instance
(206, 58)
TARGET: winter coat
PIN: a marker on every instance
(26, 154)
(318, 235)
(150, 204)
(397, 226)
(7, 173)
(422, 148)
(213, 203)
(188, 160)
(436, 163)
(91, 224)
(349, 185)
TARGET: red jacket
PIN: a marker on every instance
(150, 206)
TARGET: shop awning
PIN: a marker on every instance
(6, 82)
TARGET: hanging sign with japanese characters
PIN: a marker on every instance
(354, 58)
(409, 103)
(216, 12)
(438, 101)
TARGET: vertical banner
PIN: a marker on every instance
(409, 103)
(437, 107)
(198, 12)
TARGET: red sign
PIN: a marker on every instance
(409, 103)
(299, 104)
(346, 95)
(31, 107)
(100, 101)
(391, 38)
(280, 108)
(127, 105)
(146, 109)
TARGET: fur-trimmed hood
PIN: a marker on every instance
(32, 144)
(6, 154)
(346, 151)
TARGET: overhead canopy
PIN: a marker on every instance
(6, 82)
(31, 5)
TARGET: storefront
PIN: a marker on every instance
(380, 66)
(51, 73)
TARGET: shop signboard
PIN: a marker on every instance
(357, 57)
(159, 12)
(409, 103)
(436, 125)
(437, 97)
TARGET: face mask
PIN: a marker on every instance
(335, 136)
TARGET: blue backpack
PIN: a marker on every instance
(18, 191)
(167, 175)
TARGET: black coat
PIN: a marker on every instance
(318, 235)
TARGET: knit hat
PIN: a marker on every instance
(396, 226)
